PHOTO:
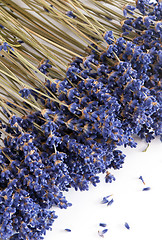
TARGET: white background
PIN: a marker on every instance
(142, 210)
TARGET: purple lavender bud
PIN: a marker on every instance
(158, 27)
(44, 67)
(104, 231)
(67, 230)
(110, 202)
(125, 12)
(25, 92)
(128, 9)
(146, 189)
(104, 200)
(127, 225)
(102, 224)
(109, 38)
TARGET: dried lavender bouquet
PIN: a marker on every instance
(76, 81)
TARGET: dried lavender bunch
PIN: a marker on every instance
(104, 100)
(43, 161)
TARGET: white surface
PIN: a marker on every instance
(142, 210)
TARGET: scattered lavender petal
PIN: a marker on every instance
(104, 231)
(127, 225)
(146, 189)
(110, 202)
(105, 199)
(67, 230)
(102, 224)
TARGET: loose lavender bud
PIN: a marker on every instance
(110, 202)
(128, 9)
(105, 199)
(67, 230)
(25, 92)
(146, 189)
(102, 224)
(45, 66)
(104, 231)
(127, 225)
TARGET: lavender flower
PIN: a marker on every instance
(5, 46)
